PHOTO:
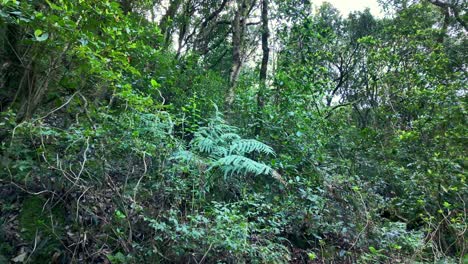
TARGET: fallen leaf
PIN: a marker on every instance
(20, 258)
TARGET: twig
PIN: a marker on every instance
(206, 253)
(37, 119)
(84, 159)
(78, 202)
(365, 227)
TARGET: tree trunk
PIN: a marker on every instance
(264, 65)
(265, 55)
(166, 21)
(238, 28)
(126, 6)
(184, 25)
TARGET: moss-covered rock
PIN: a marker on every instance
(43, 226)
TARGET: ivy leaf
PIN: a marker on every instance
(119, 214)
(40, 36)
(54, 6)
(154, 83)
(37, 32)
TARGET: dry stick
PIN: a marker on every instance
(141, 178)
(430, 237)
(37, 93)
(84, 160)
(77, 177)
(37, 119)
(87, 112)
(134, 194)
(78, 202)
(365, 227)
(462, 234)
(23, 189)
(114, 188)
(29, 192)
(76, 247)
(58, 108)
(34, 248)
(73, 179)
(206, 253)
(44, 150)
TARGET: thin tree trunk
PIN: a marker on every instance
(238, 28)
(187, 13)
(265, 55)
(264, 65)
(166, 21)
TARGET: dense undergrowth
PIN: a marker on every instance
(115, 149)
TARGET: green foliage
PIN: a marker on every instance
(119, 258)
(43, 225)
(354, 154)
(218, 146)
(235, 164)
(227, 232)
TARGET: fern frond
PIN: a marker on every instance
(185, 156)
(230, 136)
(206, 144)
(188, 158)
(221, 146)
(236, 164)
(243, 146)
(219, 151)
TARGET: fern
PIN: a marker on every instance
(235, 164)
(185, 156)
(206, 145)
(220, 147)
(230, 136)
(242, 146)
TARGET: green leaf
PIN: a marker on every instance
(37, 33)
(312, 256)
(154, 83)
(40, 36)
(119, 214)
(373, 250)
(53, 6)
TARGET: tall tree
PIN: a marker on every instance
(166, 23)
(243, 9)
(265, 53)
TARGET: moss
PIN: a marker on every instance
(38, 220)
(5, 249)
(3, 260)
